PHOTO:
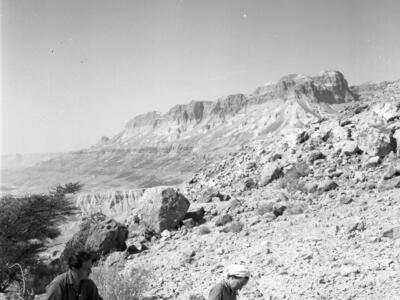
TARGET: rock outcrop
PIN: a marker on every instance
(163, 209)
(325, 87)
(98, 235)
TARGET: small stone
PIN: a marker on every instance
(315, 155)
(302, 137)
(223, 220)
(269, 217)
(311, 187)
(346, 199)
(393, 233)
(220, 251)
(356, 225)
(389, 184)
(327, 185)
(372, 162)
(254, 220)
(350, 148)
(166, 233)
(188, 223)
(391, 172)
(349, 270)
(234, 227)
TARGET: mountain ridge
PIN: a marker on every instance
(160, 149)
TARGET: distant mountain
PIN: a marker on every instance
(162, 149)
(291, 102)
(21, 161)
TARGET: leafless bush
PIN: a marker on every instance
(116, 285)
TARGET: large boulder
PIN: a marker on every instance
(107, 236)
(98, 235)
(376, 142)
(163, 209)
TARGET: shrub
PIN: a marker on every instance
(41, 275)
(25, 224)
(71, 187)
(113, 284)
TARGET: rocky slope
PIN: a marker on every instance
(162, 149)
(313, 215)
(327, 227)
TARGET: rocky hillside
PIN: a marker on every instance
(163, 149)
(313, 215)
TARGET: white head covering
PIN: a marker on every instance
(238, 271)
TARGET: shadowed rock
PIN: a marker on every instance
(97, 235)
(376, 142)
(163, 209)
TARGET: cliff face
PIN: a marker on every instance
(326, 87)
(115, 204)
(189, 124)
(162, 149)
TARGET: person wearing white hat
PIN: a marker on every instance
(237, 277)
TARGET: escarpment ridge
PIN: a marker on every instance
(163, 149)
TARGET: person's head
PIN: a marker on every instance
(81, 263)
(238, 276)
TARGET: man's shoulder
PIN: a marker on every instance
(219, 287)
(60, 279)
(220, 291)
(59, 282)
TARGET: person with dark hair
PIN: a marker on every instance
(237, 277)
(75, 283)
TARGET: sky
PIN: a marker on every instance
(73, 71)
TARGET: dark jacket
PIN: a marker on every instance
(222, 291)
(62, 288)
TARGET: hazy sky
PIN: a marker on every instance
(72, 71)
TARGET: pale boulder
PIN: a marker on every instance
(375, 142)
(163, 209)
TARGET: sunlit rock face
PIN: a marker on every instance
(189, 124)
(326, 87)
(114, 204)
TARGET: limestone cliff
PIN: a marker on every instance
(162, 149)
(190, 124)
